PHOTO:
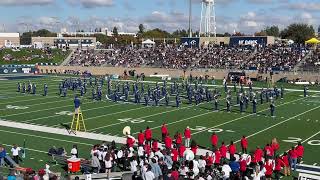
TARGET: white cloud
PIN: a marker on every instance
(304, 6)
(25, 2)
(92, 3)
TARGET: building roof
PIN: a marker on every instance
(11, 35)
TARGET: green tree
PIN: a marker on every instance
(101, 38)
(299, 33)
(141, 29)
(272, 31)
(115, 31)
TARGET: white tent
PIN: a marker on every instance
(148, 43)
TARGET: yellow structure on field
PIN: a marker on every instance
(77, 123)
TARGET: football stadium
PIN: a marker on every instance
(158, 104)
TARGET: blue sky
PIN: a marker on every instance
(246, 16)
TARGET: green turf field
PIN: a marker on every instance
(297, 119)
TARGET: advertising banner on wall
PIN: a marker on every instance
(190, 42)
(12, 69)
(245, 41)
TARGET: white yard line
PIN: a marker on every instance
(237, 119)
(310, 137)
(47, 138)
(281, 122)
(143, 117)
(35, 150)
(45, 117)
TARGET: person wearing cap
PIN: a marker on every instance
(187, 136)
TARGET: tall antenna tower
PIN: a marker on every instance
(208, 19)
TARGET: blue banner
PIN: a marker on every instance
(190, 42)
(246, 41)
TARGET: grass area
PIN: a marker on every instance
(32, 56)
(297, 119)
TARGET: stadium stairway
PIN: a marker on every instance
(300, 64)
(67, 60)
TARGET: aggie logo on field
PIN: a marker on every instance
(5, 71)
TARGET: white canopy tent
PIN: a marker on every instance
(148, 43)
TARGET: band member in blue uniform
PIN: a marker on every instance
(167, 99)
(241, 104)
(81, 91)
(77, 104)
(282, 92)
(305, 91)
(228, 105)
(24, 88)
(29, 87)
(34, 88)
(19, 87)
(64, 92)
(216, 103)
(254, 105)
(272, 109)
(45, 89)
(178, 101)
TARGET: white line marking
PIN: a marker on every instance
(315, 164)
(277, 124)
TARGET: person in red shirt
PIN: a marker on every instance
(244, 144)
(217, 158)
(178, 138)
(130, 141)
(268, 151)
(223, 150)
(187, 136)
(300, 152)
(286, 167)
(174, 155)
(232, 149)
(140, 138)
(164, 131)
(214, 141)
(293, 158)
(269, 168)
(258, 154)
(243, 166)
(182, 149)
(275, 146)
(278, 165)
(175, 174)
(194, 147)
(168, 142)
(147, 150)
(148, 135)
(209, 161)
(155, 146)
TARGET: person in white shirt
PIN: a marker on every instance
(202, 164)
(133, 164)
(149, 175)
(226, 170)
(74, 152)
(195, 167)
(15, 153)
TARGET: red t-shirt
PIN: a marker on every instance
(175, 175)
(209, 161)
(175, 155)
(223, 151)
(232, 149)
(285, 160)
(279, 164)
(168, 142)
(130, 142)
(244, 143)
(293, 154)
(269, 151)
(275, 146)
(269, 167)
(217, 157)
(243, 165)
(155, 146)
(182, 149)
(187, 134)
(164, 130)
(140, 138)
(214, 140)
(179, 139)
(300, 150)
(258, 154)
(148, 134)
(194, 149)
(147, 149)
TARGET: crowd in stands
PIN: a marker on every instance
(277, 57)
(312, 63)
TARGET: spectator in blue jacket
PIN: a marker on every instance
(3, 154)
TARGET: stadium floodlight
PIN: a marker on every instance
(208, 18)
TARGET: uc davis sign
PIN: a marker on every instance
(242, 40)
(190, 42)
